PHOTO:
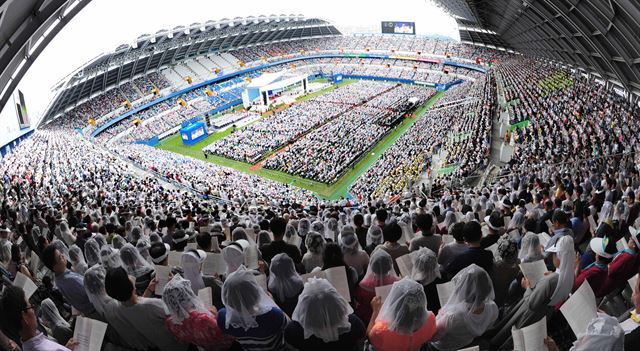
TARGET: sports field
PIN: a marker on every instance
(331, 192)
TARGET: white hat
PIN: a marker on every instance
(598, 246)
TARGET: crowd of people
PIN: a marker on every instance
(412, 154)
(94, 236)
(252, 143)
(328, 152)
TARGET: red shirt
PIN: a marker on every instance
(200, 329)
(596, 276)
(624, 266)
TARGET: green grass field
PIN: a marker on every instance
(331, 192)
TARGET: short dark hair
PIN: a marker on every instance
(457, 231)
(382, 215)
(49, 256)
(358, 220)
(560, 217)
(118, 285)
(204, 240)
(278, 226)
(157, 249)
(392, 232)
(424, 221)
(12, 304)
(472, 232)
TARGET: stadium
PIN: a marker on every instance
(286, 182)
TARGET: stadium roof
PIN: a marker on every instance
(599, 36)
(150, 52)
(26, 27)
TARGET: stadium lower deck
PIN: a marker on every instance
(339, 188)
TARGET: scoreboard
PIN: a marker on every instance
(394, 27)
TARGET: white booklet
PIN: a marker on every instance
(337, 276)
(633, 282)
(472, 348)
(494, 250)
(89, 334)
(262, 281)
(214, 264)
(622, 244)
(544, 239)
(447, 238)
(175, 259)
(162, 278)
(205, 296)
(191, 246)
(445, 291)
(383, 291)
(251, 256)
(580, 309)
(533, 271)
(592, 225)
(26, 284)
(405, 265)
(530, 338)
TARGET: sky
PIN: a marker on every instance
(104, 24)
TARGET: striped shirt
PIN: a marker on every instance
(268, 335)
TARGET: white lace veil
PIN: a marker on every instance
(180, 300)
(133, 261)
(425, 266)
(244, 299)
(50, 315)
(322, 311)
(284, 281)
(405, 309)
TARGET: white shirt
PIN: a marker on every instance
(41, 343)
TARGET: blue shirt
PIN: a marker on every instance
(71, 285)
(268, 335)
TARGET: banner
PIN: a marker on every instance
(522, 125)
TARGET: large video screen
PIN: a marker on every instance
(394, 27)
(21, 110)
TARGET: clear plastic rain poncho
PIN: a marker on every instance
(51, 316)
(94, 286)
(233, 256)
(100, 239)
(349, 244)
(135, 234)
(566, 271)
(531, 249)
(380, 270)
(405, 309)
(143, 247)
(77, 260)
(322, 311)
(263, 238)
(66, 234)
(472, 288)
(110, 257)
(118, 242)
(304, 226)
(425, 266)
(603, 334)
(244, 300)
(180, 300)
(374, 235)
(291, 235)
(331, 229)
(318, 227)
(92, 252)
(284, 281)
(192, 265)
(133, 262)
(315, 242)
